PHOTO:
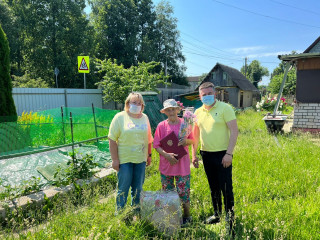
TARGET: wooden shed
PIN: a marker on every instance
(307, 106)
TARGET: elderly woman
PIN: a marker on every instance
(130, 142)
(170, 167)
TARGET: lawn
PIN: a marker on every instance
(276, 185)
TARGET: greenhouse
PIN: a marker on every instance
(40, 143)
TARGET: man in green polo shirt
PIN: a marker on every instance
(217, 130)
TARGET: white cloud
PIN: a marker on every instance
(245, 50)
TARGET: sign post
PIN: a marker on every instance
(83, 67)
(56, 72)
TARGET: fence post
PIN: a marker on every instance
(95, 123)
(71, 126)
(65, 98)
(64, 133)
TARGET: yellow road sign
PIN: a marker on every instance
(83, 64)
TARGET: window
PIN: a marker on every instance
(224, 76)
(214, 76)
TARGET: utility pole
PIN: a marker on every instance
(165, 69)
(245, 67)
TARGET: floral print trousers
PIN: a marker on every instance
(182, 186)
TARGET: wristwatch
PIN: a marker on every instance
(149, 155)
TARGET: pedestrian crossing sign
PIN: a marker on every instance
(83, 64)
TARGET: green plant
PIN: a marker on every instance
(30, 186)
(80, 167)
(6, 191)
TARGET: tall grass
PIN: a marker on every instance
(276, 185)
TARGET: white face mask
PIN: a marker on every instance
(134, 109)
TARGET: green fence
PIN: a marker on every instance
(52, 127)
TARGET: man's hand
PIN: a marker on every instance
(171, 158)
(116, 165)
(226, 161)
(195, 162)
(148, 161)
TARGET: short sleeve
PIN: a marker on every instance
(191, 134)
(150, 138)
(114, 130)
(157, 137)
(228, 113)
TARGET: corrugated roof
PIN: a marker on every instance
(293, 57)
(236, 76)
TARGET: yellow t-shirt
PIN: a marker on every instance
(214, 132)
(132, 136)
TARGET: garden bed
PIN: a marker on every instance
(39, 198)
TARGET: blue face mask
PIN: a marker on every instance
(208, 100)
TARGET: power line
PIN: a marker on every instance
(205, 50)
(197, 64)
(211, 56)
(302, 9)
(206, 44)
(266, 16)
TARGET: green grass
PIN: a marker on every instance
(276, 181)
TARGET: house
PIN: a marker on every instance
(307, 107)
(234, 87)
(231, 86)
(193, 82)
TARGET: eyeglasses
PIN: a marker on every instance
(136, 103)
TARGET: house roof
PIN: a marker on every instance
(193, 79)
(236, 76)
(313, 51)
(312, 45)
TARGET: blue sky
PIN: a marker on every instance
(227, 31)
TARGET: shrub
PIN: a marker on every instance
(268, 104)
(7, 108)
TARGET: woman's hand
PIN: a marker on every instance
(171, 158)
(195, 162)
(116, 165)
(148, 161)
(183, 142)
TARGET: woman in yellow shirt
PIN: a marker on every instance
(130, 142)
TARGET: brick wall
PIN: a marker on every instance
(306, 116)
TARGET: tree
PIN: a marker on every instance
(202, 77)
(116, 25)
(289, 85)
(53, 34)
(26, 81)
(118, 81)
(7, 107)
(10, 24)
(168, 44)
(131, 31)
(255, 72)
(280, 69)
(277, 77)
(146, 49)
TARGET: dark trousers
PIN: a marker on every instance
(220, 180)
